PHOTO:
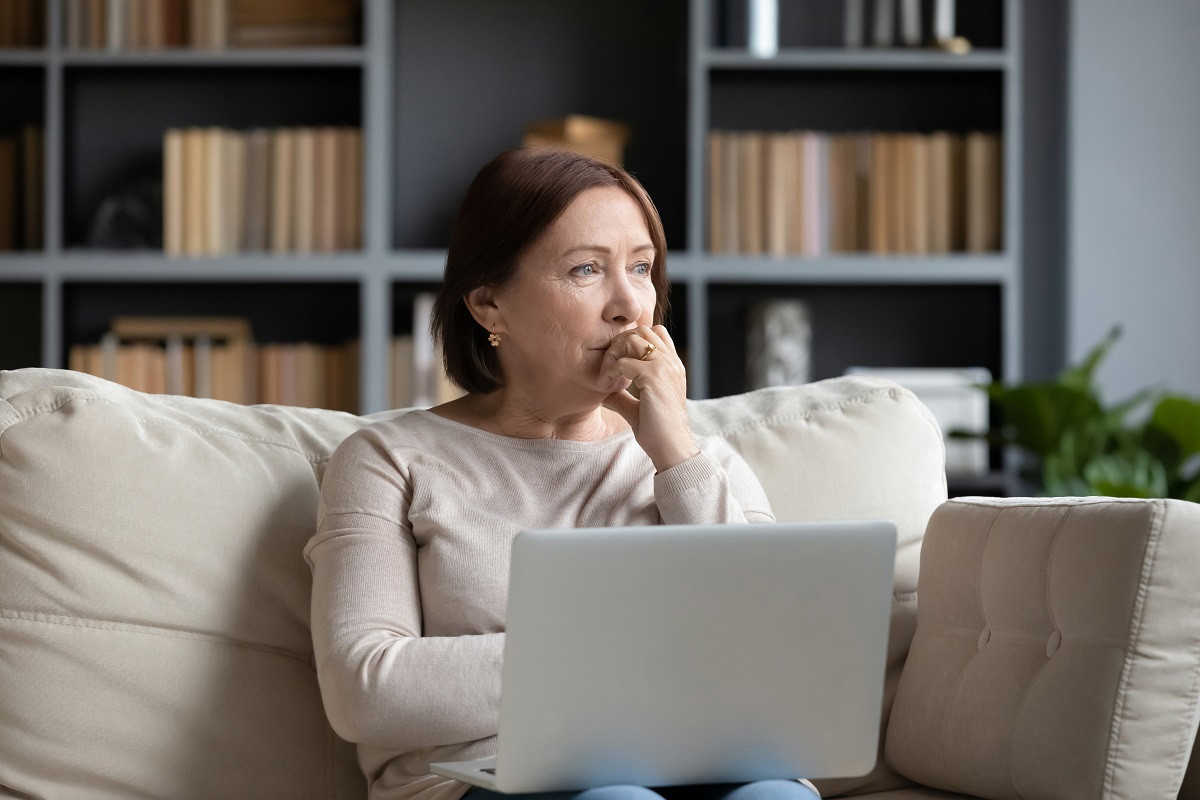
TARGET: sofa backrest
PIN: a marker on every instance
(154, 603)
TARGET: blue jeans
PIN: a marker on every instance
(756, 790)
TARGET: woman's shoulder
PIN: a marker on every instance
(384, 437)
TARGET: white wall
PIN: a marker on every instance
(1133, 190)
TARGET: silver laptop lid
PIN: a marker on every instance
(673, 654)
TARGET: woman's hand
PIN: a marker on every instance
(658, 415)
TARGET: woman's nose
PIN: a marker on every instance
(623, 303)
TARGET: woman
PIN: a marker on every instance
(549, 313)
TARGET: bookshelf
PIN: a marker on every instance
(419, 84)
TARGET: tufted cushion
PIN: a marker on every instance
(154, 604)
(1057, 651)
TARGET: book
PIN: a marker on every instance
(910, 23)
(918, 194)
(235, 191)
(283, 190)
(326, 190)
(884, 23)
(750, 199)
(778, 186)
(983, 192)
(879, 193)
(214, 190)
(843, 193)
(716, 241)
(349, 183)
(195, 177)
(305, 167)
(811, 193)
(173, 199)
(942, 200)
(257, 202)
(852, 23)
(731, 212)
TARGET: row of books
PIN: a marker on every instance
(22, 23)
(209, 24)
(301, 374)
(809, 193)
(21, 180)
(278, 190)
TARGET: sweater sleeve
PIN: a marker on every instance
(714, 486)
(382, 683)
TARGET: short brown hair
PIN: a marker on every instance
(511, 201)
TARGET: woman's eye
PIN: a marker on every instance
(644, 267)
(588, 266)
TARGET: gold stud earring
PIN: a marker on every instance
(494, 338)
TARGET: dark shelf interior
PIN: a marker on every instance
(514, 63)
(869, 326)
(115, 120)
(22, 98)
(21, 310)
(821, 23)
(857, 100)
(320, 312)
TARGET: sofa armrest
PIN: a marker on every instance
(1057, 651)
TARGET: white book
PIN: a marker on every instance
(884, 23)
(852, 23)
(764, 28)
(943, 20)
(424, 357)
(910, 22)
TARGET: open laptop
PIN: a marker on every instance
(680, 654)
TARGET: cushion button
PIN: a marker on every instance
(1053, 643)
(984, 636)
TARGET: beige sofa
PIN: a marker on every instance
(154, 604)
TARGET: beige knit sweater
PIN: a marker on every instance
(410, 571)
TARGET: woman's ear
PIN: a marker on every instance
(481, 302)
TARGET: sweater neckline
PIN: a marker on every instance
(527, 443)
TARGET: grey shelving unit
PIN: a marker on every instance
(392, 257)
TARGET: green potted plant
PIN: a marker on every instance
(1077, 446)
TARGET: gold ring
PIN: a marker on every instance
(650, 348)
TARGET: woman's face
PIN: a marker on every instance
(586, 279)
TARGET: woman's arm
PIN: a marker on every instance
(382, 683)
(715, 485)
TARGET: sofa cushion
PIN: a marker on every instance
(1057, 651)
(154, 603)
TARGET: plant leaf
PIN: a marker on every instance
(1125, 475)
(1038, 414)
(1080, 375)
(1179, 416)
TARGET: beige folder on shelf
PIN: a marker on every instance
(716, 239)
(173, 197)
